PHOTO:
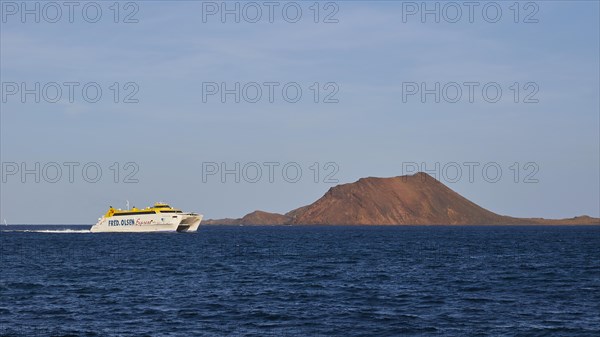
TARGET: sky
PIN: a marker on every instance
(170, 121)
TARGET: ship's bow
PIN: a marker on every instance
(190, 222)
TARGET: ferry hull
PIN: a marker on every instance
(181, 222)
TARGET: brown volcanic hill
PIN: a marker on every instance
(226, 221)
(407, 200)
(264, 218)
(418, 200)
(254, 218)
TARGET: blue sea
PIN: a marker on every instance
(301, 281)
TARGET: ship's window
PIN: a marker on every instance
(134, 213)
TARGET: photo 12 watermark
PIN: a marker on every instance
(270, 172)
(270, 12)
(71, 92)
(270, 92)
(470, 92)
(51, 12)
(474, 171)
(520, 12)
(69, 172)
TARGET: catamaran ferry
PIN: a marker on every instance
(159, 218)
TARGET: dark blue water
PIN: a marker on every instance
(303, 281)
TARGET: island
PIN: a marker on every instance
(417, 199)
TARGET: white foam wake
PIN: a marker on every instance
(56, 231)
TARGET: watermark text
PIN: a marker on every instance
(490, 172)
(269, 92)
(271, 172)
(470, 12)
(71, 92)
(72, 171)
(469, 92)
(69, 12)
(269, 11)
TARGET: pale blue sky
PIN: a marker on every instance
(369, 53)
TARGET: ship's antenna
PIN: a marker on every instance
(127, 204)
